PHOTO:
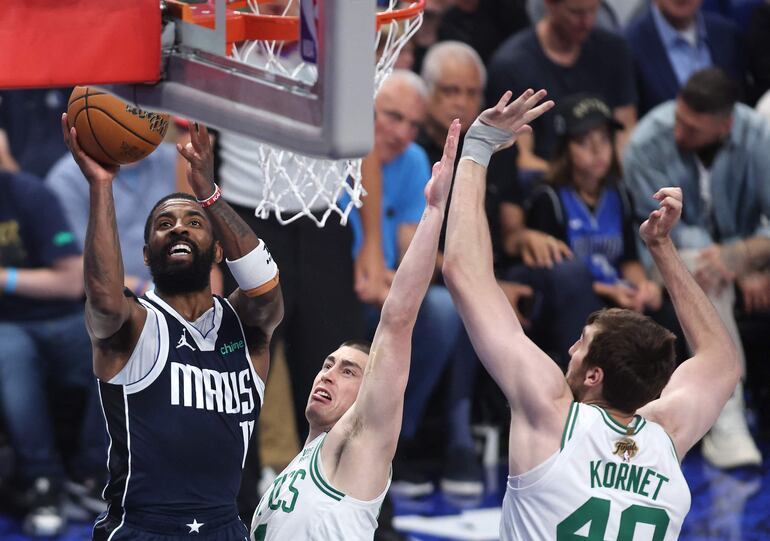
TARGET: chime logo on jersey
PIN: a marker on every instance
(626, 449)
(224, 392)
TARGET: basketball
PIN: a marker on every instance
(110, 130)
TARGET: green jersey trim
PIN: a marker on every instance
(569, 424)
(673, 447)
(619, 427)
(318, 478)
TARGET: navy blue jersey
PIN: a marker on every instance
(179, 427)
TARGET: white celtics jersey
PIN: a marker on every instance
(301, 505)
(608, 483)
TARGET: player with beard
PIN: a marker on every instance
(181, 371)
(596, 455)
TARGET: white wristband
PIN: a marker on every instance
(256, 272)
(481, 141)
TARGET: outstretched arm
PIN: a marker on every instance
(114, 322)
(370, 428)
(260, 307)
(690, 403)
(534, 386)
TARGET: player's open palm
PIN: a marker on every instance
(92, 170)
(200, 160)
(437, 189)
(515, 116)
(662, 220)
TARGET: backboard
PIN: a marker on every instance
(324, 109)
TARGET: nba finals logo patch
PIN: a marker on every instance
(626, 449)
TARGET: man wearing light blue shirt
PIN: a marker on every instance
(686, 47)
(717, 151)
(673, 40)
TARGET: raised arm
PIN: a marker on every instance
(114, 322)
(534, 386)
(370, 428)
(258, 300)
(690, 403)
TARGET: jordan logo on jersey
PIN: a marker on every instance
(183, 341)
(626, 449)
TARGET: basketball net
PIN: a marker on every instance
(323, 187)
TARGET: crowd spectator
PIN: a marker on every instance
(427, 34)
(758, 50)
(585, 205)
(716, 150)
(483, 24)
(613, 14)
(738, 11)
(674, 39)
(43, 346)
(456, 77)
(763, 106)
(30, 118)
(566, 54)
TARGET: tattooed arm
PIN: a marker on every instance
(261, 314)
(114, 322)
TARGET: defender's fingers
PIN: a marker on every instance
(503, 101)
(535, 98)
(535, 112)
(450, 146)
(526, 128)
(518, 104)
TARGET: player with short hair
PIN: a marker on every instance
(334, 487)
(181, 371)
(598, 452)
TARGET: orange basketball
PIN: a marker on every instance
(112, 131)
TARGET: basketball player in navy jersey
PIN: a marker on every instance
(181, 372)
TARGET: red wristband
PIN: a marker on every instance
(213, 198)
